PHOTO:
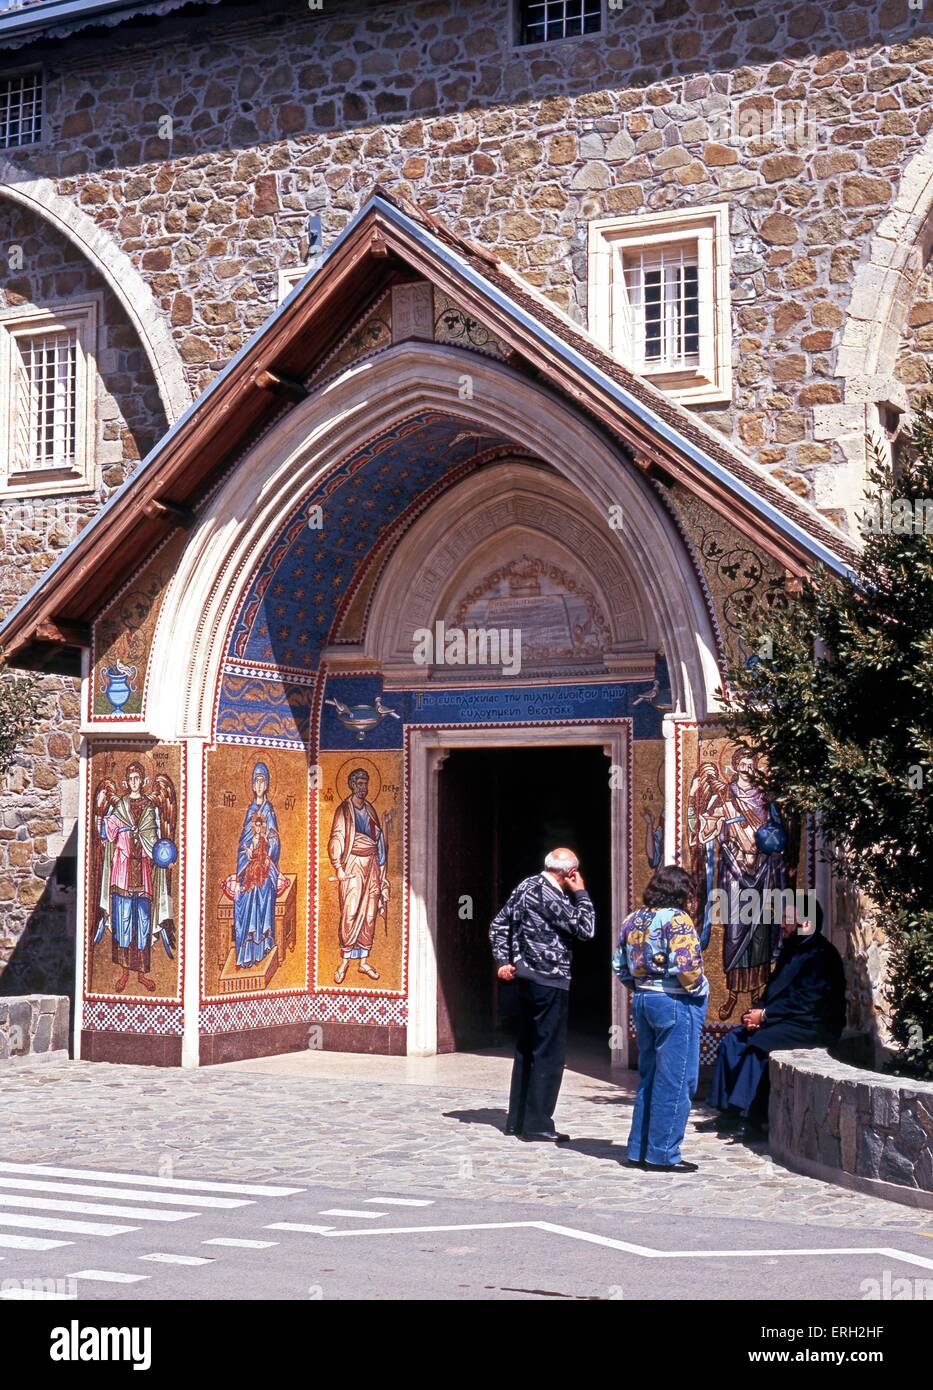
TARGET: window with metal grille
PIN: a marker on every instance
(20, 110)
(658, 297)
(48, 387)
(663, 296)
(542, 21)
(46, 415)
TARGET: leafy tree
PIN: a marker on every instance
(18, 713)
(841, 704)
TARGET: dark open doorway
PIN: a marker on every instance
(499, 812)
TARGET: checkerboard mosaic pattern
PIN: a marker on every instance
(237, 1014)
(125, 1016)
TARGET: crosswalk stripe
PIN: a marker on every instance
(55, 1223)
(148, 1180)
(92, 1208)
(343, 1211)
(400, 1201)
(108, 1276)
(241, 1244)
(23, 1294)
(178, 1259)
(177, 1199)
(30, 1242)
(297, 1226)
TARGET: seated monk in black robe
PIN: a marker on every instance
(804, 1005)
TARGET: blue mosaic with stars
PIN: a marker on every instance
(289, 608)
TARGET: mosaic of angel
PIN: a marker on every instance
(134, 853)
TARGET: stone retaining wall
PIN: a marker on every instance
(33, 1024)
(861, 1129)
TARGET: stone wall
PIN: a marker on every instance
(199, 144)
(862, 1129)
(39, 793)
(33, 1025)
(205, 148)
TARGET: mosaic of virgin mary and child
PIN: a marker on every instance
(255, 884)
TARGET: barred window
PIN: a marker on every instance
(543, 21)
(46, 404)
(47, 392)
(20, 110)
(659, 298)
(663, 298)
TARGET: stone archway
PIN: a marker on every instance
(877, 314)
(314, 436)
(116, 268)
(508, 512)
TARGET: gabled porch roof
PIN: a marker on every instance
(390, 241)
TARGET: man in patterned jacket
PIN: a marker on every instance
(532, 944)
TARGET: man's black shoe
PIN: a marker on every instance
(635, 1163)
(681, 1167)
(545, 1138)
(751, 1134)
(720, 1124)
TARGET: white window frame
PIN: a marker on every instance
(17, 325)
(12, 75)
(288, 279)
(515, 28)
(705, 231)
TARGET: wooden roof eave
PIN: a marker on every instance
(187, 461)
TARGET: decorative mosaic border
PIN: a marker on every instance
(126, 1016)
(242, 1014)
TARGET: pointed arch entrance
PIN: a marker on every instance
(505, 510)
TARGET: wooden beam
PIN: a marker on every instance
(280, 385)
(172, 511)
(64, 633)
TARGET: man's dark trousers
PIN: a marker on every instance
(539, 1017)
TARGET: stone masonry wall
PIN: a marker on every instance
(204, 148)
(33, 1025)
(39, 794)
(857, 1127)
(200, 143)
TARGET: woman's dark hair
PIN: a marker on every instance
(670, 886)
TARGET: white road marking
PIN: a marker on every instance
(645, 1251)
(295, 1226)
(177, 1199)
(37, 1293)
(241, 1244)
(30, 1243)
(160, 1258)
(400, 1201)
(343, 1211)
(93, 1208)
(147, 1180)
(108, 1276)
(55, 1223)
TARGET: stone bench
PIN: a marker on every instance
(862, 1129)
(33, 1026)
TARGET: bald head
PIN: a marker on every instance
(561, 861)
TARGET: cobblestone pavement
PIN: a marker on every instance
(362, 1134)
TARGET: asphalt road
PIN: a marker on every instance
(77, 1232)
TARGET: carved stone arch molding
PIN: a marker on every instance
(882, 294)
(269, 482)
(509, 512)
(116, 268)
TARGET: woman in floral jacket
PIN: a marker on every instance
(660, 961)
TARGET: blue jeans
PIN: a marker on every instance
(668, 1030)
